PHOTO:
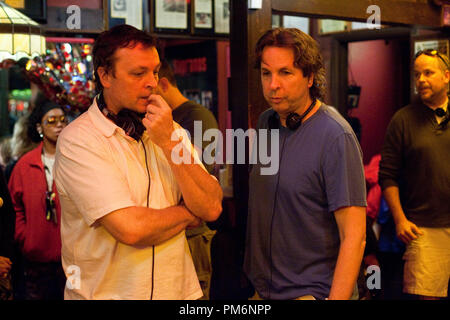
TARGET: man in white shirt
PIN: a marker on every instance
(120, 180)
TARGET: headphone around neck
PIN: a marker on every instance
(130, 121)
(293, 120)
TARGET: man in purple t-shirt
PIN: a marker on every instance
(306, 223)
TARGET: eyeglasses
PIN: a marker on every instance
(51, 121)
(431, 53)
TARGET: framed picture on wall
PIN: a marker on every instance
(172, 15)
(301, 23)
(128, 11)
(222, 16)
(276, 21)
(441, 45)
(327, 26)
(445, 17)
(203, 14)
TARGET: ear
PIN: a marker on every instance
(310, 80)
(38, 128)
(104, 77)
(164, 84)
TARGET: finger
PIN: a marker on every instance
(158, 101)
(410, 235)
(416, 230)
(153, 109)
(403, 239)
(147, 123)
(405, 236)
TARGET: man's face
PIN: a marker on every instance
(285, 87)
(133, 79)
(431, 81)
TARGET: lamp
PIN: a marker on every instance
(19, 35)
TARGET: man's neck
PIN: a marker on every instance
(438, 103)
(303, 110)
(175, 98)
(110, 104)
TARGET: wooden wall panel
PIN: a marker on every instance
(392, 11)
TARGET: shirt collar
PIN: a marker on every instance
(106, 126)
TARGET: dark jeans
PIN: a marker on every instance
(391, 265)
(44, 281)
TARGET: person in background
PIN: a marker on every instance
(126, 198)
(306, 223)
(21, 143)
(5, 152)
(189, 114)
(7, 226)
(414, 176)
(36, 202)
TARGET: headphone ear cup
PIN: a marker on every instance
(293, 121)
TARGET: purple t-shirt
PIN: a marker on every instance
(292, 237)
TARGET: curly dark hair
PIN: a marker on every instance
(307, 56)
(121, 36)
(36, 116)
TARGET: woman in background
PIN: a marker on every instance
(38, 212)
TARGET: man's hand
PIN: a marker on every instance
(158, 121)
(196, 223)
(407, 231)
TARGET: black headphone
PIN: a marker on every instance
(440, 112)
(293, 120)
(130, 121)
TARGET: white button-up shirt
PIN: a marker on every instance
(99, 169)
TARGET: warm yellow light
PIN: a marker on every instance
(6, 43)
(19, 36)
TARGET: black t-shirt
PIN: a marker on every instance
(186, 114)
(415, 158)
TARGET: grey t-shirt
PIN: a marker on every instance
(292, 236)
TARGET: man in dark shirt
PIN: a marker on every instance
(414, 175)
(189, 114)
